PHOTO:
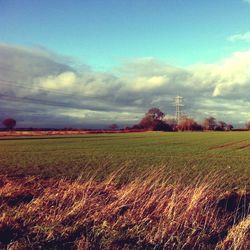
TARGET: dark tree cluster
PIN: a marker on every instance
(155, 120)
(210, 123)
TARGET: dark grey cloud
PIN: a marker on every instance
(81, 97)
(23, 64)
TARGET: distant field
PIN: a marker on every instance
(194, 153)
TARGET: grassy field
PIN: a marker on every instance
(154, 191)
(100, 154)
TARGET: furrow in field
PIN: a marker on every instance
(227, 144)
(244, 147)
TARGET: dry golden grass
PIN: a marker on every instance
(149, 212)
(238, 236)
(40, 133)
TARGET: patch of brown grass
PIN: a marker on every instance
(150, 212)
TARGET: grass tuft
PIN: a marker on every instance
(150, 212)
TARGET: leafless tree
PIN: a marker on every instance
(9, 123)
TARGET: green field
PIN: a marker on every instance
(194, 153)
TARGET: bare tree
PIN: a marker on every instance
(229, 127)
(172, 123)
(248, 125)
(9, 123)
(220, 126)
(188, 124)
(113, 126)
(209, 123)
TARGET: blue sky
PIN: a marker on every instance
(102, 33)
(114, 59)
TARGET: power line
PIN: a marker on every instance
(49, 103)
(22, 85)
(9, 112)
(45, 102)
(2, 110)
(21, 71)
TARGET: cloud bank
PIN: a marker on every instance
(43, 89)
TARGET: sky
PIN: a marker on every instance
(96, 62)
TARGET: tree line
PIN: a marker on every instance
(156, 120)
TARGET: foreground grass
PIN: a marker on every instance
(150, 212)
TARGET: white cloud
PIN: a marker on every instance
(124, 95)
(229, 77)
(240, 37)
(233, 74)
(63, 80)
(147, 83)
